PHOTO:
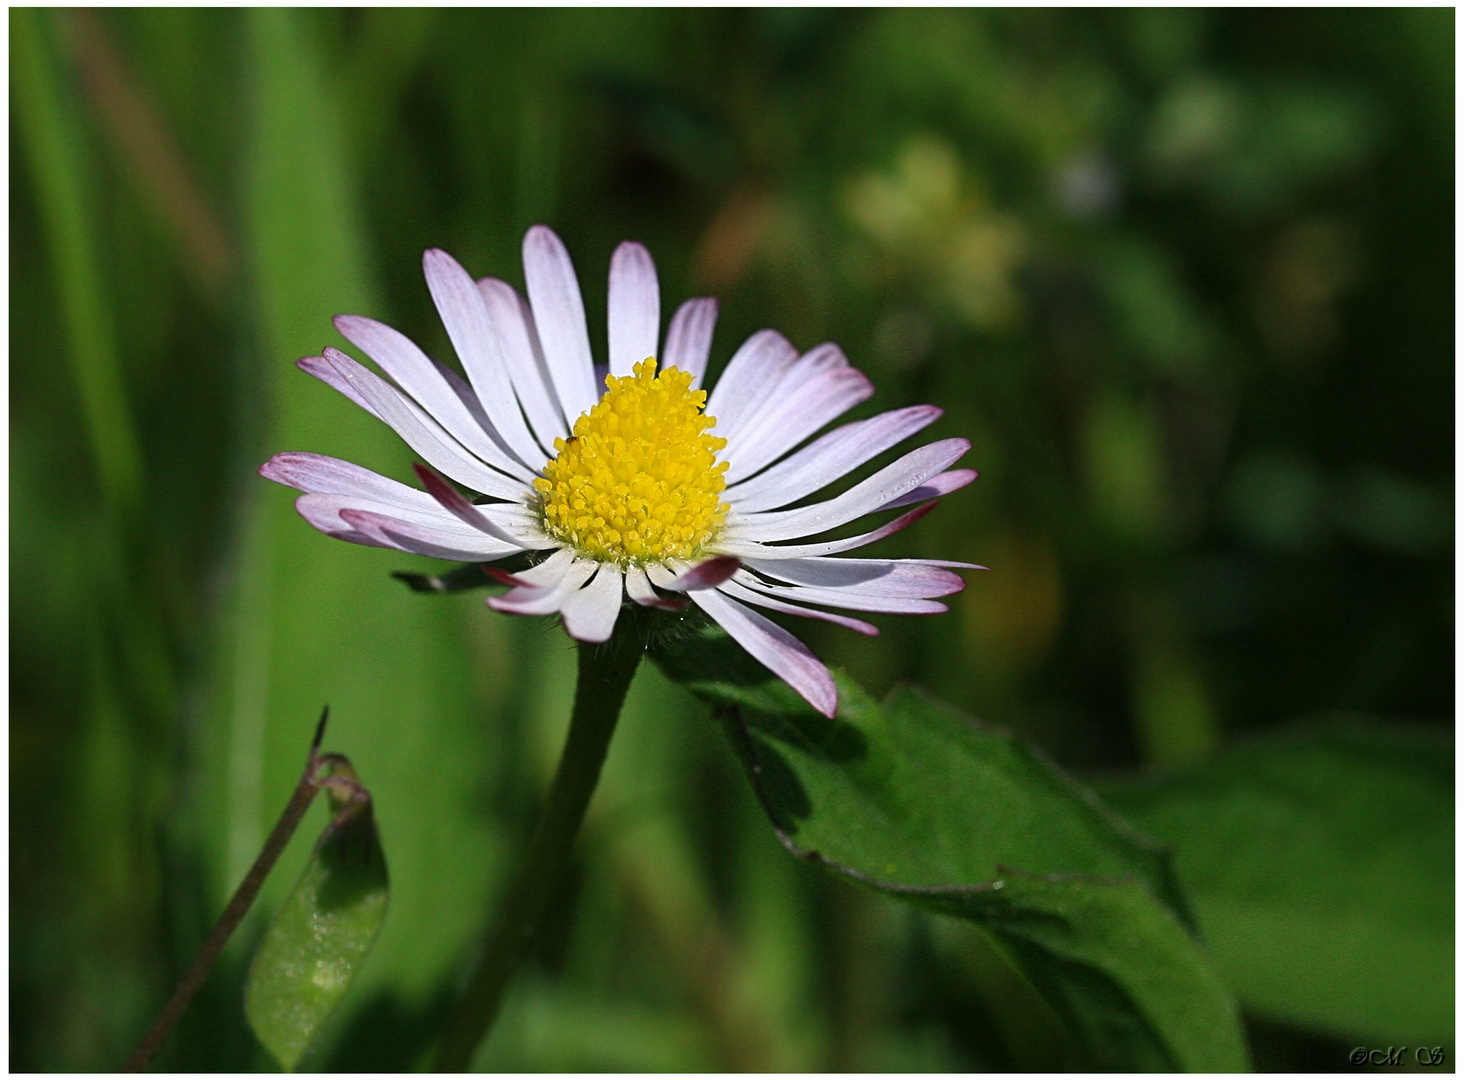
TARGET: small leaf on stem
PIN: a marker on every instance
(322, 932)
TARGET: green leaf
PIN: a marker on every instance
(920, 802)
(319, 938)
(1321, 863)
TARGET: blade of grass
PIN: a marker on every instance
(50, 129)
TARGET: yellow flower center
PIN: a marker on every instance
(638, 481)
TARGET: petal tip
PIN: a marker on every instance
(503, 577)
(542, 236)
(273, 469)
(707, 574)
(439, 488)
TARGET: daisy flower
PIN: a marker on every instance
(632, 481)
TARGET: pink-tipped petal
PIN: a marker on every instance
(744, 549)
(325, 371)
(934, 488)
(428, 522)
(453, 502)
(827, 458)
(434, 541)
(773, 647)
(317, 473)
(707, 574)
(634, 308)
(484, 448)
(795, 417)
(891, 577)
(741, 592)
(868, 599)
(327, 519)
(912, 470)
(548, 598)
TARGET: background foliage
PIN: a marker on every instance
(1184, 277)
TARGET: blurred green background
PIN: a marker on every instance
(1184, 278)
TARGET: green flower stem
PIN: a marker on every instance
(605, 672)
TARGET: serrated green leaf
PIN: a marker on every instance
(319, 938)
(919, 802)
(1321, 863)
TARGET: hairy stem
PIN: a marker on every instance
(605, 672)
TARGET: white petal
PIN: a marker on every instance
(689, 339)
(532, 382)
(751, 375)
(590, 614)
(934, 488)
(518, 522)
(559, 316)
(638, 588)
(548, 573)
(546, 600)
(857, 599)
(868, 495)
(890, 577)
(773, 647)
(465, 316)
(828, 458)
(749, 550)
(792, 417)
(634, 306)
(732, 588)
(411, 369)
(423, 434)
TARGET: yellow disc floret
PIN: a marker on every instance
(638, 482)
